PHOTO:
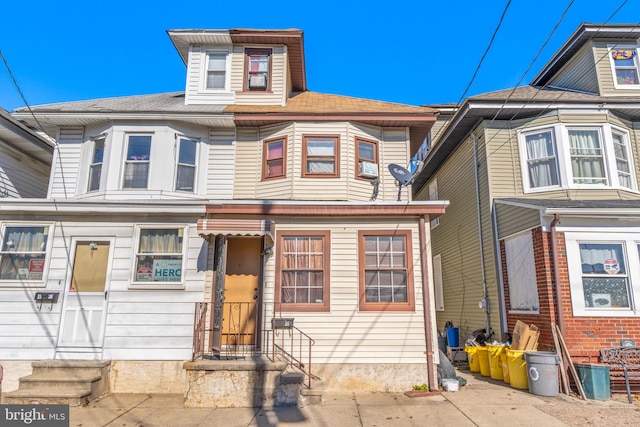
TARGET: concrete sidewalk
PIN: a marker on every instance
(482, 402)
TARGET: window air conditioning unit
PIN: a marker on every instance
(258, 81)
(368, 170)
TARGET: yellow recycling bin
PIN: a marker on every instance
(495, 364)
(505, 367)
(483, 356)
(517, 369)
(472, 355)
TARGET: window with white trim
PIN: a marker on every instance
(216, 70)
(576, 157)
(159, 255)
(95, 169)
(624, 65)
(433, 195)
(136, 164)
(521, 274)
(604, 271)
(186, 167)
(23, 252)
(437, 282)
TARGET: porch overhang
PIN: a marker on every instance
(236, 227)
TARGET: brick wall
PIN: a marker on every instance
(585, 336)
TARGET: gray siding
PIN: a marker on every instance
(513, 219)
(579, 73)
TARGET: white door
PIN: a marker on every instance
(83, 317)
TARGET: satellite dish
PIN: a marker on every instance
(403, 176)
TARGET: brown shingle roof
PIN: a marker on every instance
(314, 102)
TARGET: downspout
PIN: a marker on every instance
(426, 303)
(485, 301)
(556, 271)
(498, 257)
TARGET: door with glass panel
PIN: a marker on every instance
(86, 296)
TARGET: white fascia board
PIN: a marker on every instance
(51, 116)
(102, 207)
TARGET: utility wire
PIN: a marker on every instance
(15, 83)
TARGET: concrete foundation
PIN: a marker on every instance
(147, 376)
(385, 377)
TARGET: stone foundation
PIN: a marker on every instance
(384, 377)
(240, 384)
(147, 376)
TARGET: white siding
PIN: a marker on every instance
(21, 176)
(66, 162)
(194, 90)
(144, 324)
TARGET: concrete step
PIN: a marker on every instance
(22, 397)
(48, 380)
(63, 367)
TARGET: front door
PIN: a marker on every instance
(83, 317)
(241, 290)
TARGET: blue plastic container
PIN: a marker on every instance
(595, 381)
(453, 337)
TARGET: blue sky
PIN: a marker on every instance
(410, 52)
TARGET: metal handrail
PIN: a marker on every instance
(274, 342)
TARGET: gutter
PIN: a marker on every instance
(556, 272)
(426, 305)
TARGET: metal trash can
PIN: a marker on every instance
(542, 372)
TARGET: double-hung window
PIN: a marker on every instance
(23, 252)
(587, 156)
(604, 272)
(274, 158)
(95, 169)
(366, 159)
(624, 64)
(159, 255)
(576, 157)
(136, 164)
(320, 156)
(186, 167)
(303, 271)
(216, 76)
(258, 65)
(385, 271)
(542, 163)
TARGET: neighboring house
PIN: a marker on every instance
(544, 223)
(25, 160)
(247, 190)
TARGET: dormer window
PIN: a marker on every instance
(258, 66)
(624, 63)
(216, 70)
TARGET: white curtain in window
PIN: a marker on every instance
(26, 240)
(543, 171)
(160, 241)
(586, 157)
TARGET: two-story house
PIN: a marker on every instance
(184, 223)
(544, 225)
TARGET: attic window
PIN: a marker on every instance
(258, 65)
(625, 66)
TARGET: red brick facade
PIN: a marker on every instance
(585, 336)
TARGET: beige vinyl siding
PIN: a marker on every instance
(392, 148)
(66, 163)
(221, 163)
(438, 128)
(605, 73)
(513, 219)
(579, 73)
(346, 335)
(196, 75)
(278, 78)
(21, 176)
(456, 239)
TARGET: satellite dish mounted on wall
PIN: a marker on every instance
(403, 176)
